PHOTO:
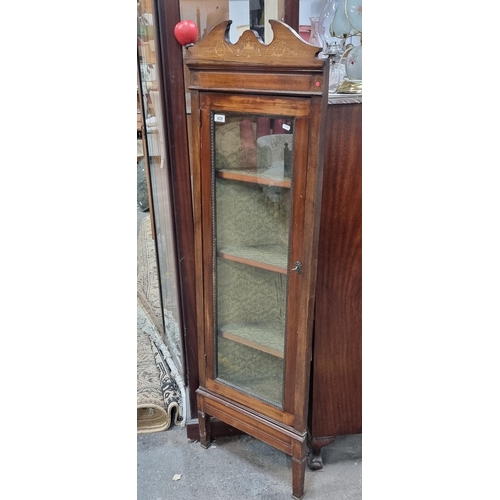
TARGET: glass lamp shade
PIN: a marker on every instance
(340, 27)
(331, 44)
(354, 11)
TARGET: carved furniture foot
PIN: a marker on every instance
(314, 460)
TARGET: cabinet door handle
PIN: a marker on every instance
(297, 267)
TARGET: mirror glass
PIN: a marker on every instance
(245, 14)
(157, 287)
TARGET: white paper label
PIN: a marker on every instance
(286, 127)
(219, 118)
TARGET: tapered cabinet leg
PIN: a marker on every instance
(299, 458)
(205, 429)
(298, 476)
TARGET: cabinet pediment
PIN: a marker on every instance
(287, 50)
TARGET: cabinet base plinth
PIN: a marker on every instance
(218, 429)
(275, 434)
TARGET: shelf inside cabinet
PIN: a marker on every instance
(269, 257)
(266, 337)
(269, 177)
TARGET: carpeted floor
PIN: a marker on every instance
(159, 401)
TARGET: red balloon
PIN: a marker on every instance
(186, 32)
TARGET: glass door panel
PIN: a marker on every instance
(252, 163)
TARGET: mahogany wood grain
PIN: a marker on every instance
(299, 457)
(312, 213)
(295, 280)
(196, 364)
(205, 429)
(336, 373)
(251, 422)
(254, 81)
(265, 105)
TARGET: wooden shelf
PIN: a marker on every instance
(266, 178)
(269, 257)
(266, 337)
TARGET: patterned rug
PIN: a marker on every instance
(148, 290)
(158, 396)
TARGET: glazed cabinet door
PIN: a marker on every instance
(254, 152)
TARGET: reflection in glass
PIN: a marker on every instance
(244, 14)
(257, 16)
(252, 168)
(167, 308)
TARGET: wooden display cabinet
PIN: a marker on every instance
(258, 129)
(335, 372)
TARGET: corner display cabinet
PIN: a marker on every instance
(258, 128)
